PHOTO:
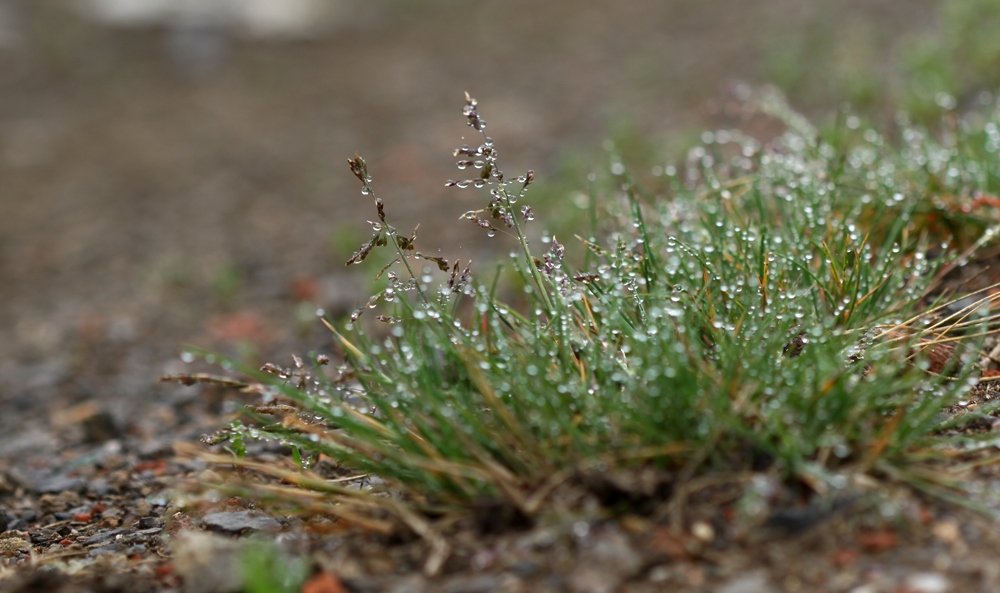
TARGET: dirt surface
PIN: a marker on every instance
(150, 201)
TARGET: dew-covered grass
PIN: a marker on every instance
(763, 309)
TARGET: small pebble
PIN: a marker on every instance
(100, 427)
(525, 568)
(147, 522)
(98, 487)
(476, 583)
(239, 521)
(60, 483)
(927, 582)
(703, 532)
(102, 550)
(102, 537)
(750, 582)
(146, 533)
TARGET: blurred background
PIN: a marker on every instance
(174, 171)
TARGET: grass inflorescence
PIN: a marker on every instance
(773, 307)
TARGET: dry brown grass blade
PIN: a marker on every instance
(935, 339)
(501, 410)
(436, 456)
(964, 313)
(204, 378)
(354, 502)
(305, 480)
(908, 324)
(436, 464)
(347, 343)
(882, 441)
(353, 513)
(534, 502)
(440, 550)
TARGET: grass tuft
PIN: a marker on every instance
(772, 307)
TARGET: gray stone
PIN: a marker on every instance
(605, 564)
(59, 483)
(104, 536)
(156, 449)
(149, 532)
(99, 487)
(241, 521)
(413, 583)
(927, 582)
(104, 550)
(101, 427)
(749, 582)
(525, 568)
(477, 583)
(208, 563)
(30, 441)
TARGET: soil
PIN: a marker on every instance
(149, 203)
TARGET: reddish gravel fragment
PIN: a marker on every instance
(323, 582)
(844, 557)
(158, 464)
(878, 541)
(164, 570)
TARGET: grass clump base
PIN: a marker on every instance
(769, 309)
